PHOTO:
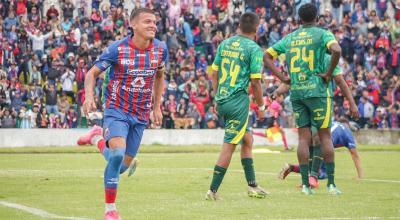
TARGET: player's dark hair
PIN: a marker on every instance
(136, 12)
(308, 12)
(248, 22)
(343, 120)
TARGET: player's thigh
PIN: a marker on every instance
(134, 138)
(301, 114)
(116, 128)
(235, 114)
(321, 111)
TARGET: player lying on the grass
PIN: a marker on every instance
(237, 63)
(339, 80)
(341, 137)
(95, 136)
(274, 110)
(128, 97)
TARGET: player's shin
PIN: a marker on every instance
(316, 161)
(111, 176)
(249, 172)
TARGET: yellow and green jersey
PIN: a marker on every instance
(336, 71)
(238, 60)
(305, 50)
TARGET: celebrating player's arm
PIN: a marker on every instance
(89, 105)
(158, 90)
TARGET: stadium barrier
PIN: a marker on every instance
(68, 137)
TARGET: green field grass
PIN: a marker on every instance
(169, 185)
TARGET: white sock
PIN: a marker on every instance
(110, 207)
(95, 139)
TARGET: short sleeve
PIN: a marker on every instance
(217, 59)
(351, 144)
(165, 56)
(108, 57)
(278, 48)
(328, 38)
(256, 62)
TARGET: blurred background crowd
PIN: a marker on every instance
(47, 47)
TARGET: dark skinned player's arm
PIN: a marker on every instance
(344, 88)
(269, 63)
(336, 52)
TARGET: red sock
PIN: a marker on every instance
(101, 145)
(296, 168)
(110, 195)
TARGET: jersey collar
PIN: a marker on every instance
(132, 44)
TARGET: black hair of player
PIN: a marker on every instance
(136, 12)
(308, 13)
(248, 23)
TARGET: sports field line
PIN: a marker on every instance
(38, 212)
(28, 171)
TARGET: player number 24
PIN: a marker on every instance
(233, 71)
(304, 56)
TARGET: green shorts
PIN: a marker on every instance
(235, 113)
(313, 112)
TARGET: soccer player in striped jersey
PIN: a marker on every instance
(137, 68)
(95, 136)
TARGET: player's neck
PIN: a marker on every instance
(140, 42)
(310, 24)
(250, 36)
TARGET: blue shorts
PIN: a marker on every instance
(120, 124)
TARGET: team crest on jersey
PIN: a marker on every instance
(138, 82)
(236, 44)
(303, 33)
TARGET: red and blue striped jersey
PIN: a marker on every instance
(131, 75)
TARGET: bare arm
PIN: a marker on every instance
(257, 90)
(269, 63)
(347, 93)
(214, 78)
(357, 162)
(336, 51)
(158, 89)
(90, 80)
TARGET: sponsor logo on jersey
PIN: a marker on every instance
(141, 72)
(127, 62)
(124, 49)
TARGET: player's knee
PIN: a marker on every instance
(117, 156)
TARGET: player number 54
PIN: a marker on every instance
(233, 71)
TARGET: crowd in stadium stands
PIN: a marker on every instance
(46, 50)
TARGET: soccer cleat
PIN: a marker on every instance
(112, 215)
(212, 196)
(333, 190)
(257, 192)
(307, 190)
(313, 182)
(132, 167)
(284, 171)
(86, 138)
